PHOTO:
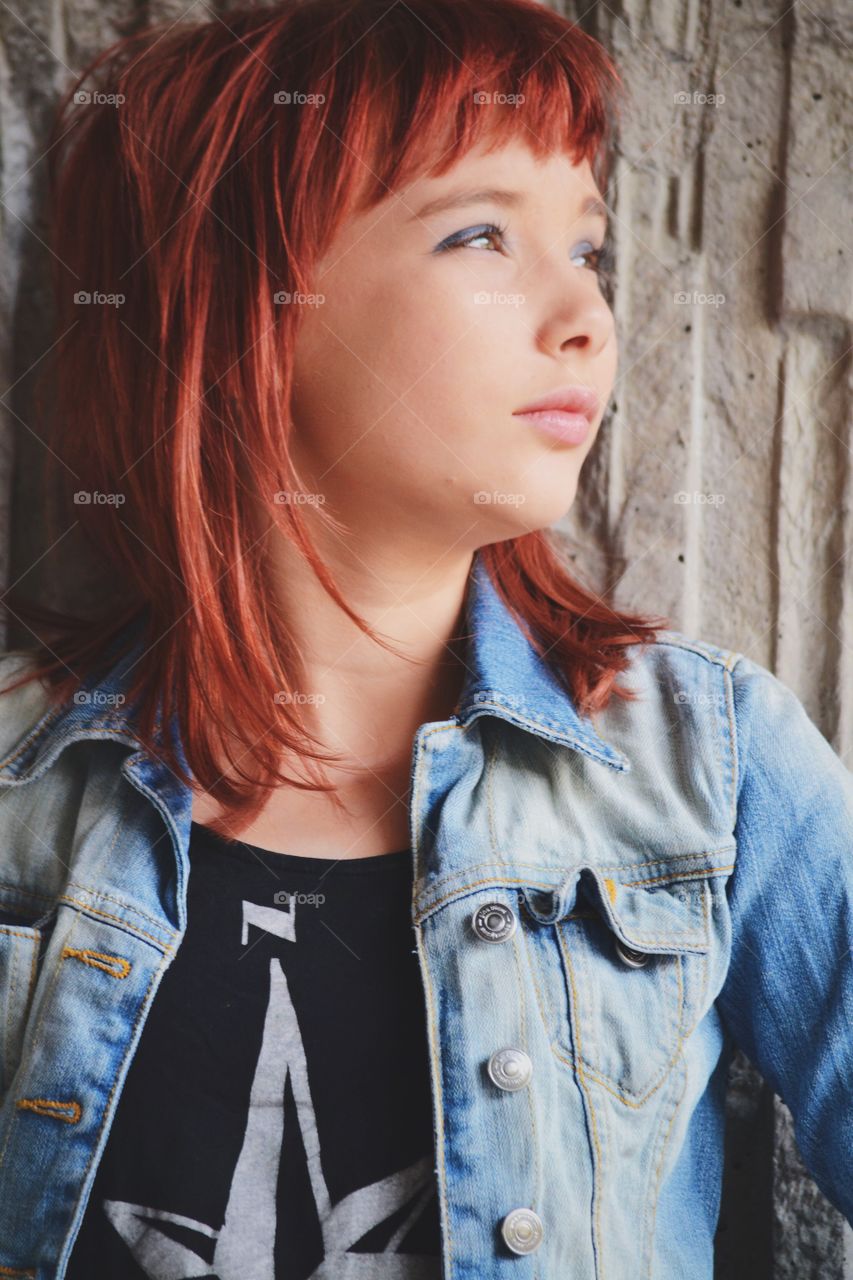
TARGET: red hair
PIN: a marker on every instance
(198, 196)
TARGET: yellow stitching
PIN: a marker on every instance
(48, 1107)
(591, 1074)
(537, 1152)
(692, 874)
(588, 1069)
(582, 1082)
(15, 1271)
(87, 906)
(468, 885)
(659, 1168)
(95, 959)
(611, 889)
(676, 857)
(54, 978)
(531, 969)
(735, 763)
(581, 742)
(496, 881)
(108, 897)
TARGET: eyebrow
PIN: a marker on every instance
(498, 195)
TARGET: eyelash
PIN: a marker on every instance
(603, 260)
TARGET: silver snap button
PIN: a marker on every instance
(636, 959)
(522, 1230)
(510, 1068)
(494, 922)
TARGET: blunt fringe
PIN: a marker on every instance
(181, 179)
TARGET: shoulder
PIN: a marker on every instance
(675, 653)
(772, 735)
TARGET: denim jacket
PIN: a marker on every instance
(602, 913)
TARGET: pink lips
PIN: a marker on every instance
(566, 414)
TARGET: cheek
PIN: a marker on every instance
(406, 364)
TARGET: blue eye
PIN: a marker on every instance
(462, 239)
(600, 260)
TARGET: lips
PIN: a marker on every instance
(575, 400)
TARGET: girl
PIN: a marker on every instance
(378, 899)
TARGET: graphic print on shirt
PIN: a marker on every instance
(167, 1245)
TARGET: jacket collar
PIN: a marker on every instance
(505, 677)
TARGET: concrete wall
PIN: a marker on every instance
(731, 190)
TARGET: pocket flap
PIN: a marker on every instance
(664, 917)
(670, 917)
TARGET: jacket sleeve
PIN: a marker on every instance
(788, 994)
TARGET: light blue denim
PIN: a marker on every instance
(703, 832)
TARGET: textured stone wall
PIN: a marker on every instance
(732, 190)
(733, 297)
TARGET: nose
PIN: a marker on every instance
(578, 318)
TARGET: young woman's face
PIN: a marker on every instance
(433, 330)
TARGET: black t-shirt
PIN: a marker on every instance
(277, 1112)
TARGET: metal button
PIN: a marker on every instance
(522, 1230)
(636, 959)
(510, 1068)
(494, 922)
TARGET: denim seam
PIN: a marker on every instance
(675, 874)
(734, 746)
(552, 1044)
(686, 1032)
(620, 1091)
(655, 1188)
(26, 893)
(491, 755)
(13, 984)
(89, 908)
(37, 731)
(121, 902)
(525, 1045)
(472, 886)
(598, 1165)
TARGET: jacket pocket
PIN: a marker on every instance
(621, 977)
